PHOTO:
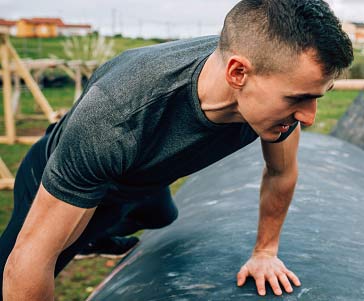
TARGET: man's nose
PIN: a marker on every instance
(306, 113)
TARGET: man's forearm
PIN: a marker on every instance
(275, 197)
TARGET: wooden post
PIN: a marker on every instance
(8, 109)
(6, 178)
(19, 69)
(4, 171)
(78, 80)
(7, 184)
(349, 84)
(16, 94)
(32, 85)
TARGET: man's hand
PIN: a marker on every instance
(263, 266)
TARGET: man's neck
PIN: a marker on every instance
(216, 96)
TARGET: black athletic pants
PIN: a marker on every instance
(139, 211)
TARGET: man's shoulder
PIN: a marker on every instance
(176, 50)
(158, 56)
(153, 70)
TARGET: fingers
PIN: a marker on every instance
(285, 283)
(242, 275)
(260, 283)
(293, 278)
(276, 282)
(273, 281)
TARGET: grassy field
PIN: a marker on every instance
(35, 48)
(78, 280)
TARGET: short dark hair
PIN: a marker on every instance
(268, 30)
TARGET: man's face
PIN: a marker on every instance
(270, 103)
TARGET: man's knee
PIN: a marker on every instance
(164, 220)
(157, 217)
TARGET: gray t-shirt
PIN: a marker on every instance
(137, 125)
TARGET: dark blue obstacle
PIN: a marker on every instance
(198, 256)
(350, 127)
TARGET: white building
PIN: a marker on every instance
(7, 26)
(74, 30)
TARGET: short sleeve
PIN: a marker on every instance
(94, 148)
(285, 135)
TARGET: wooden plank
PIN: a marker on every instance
(8, 110)
(27, 139)
(78, 82)
(43, 63)
(4, 171)
(6, 178)
(7, 184)
(16, 94)
(349, 84)
(5, 140)
(68, 71)
(32, 85)
(30, 117)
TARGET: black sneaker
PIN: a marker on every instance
(110, 247)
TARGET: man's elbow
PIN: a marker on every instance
(25, 275)
(12, 272)
(23, 260)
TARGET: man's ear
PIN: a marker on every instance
(237, 70)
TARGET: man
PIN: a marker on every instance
(155, 114)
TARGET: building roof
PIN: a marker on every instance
(8, 23)
(56, 21)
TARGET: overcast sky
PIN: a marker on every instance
(148, 17)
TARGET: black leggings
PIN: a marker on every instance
(111, 218)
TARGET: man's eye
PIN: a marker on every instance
(295, 99)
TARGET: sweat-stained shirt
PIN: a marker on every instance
(139, 125)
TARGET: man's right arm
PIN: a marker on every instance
(51, 226)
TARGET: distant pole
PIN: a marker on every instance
(40, 54)
(168, 26)
(113, 20)
(25, 48)
(121, 23)
(199, 26)
(140, 26)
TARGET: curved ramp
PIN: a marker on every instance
(197, 257)
(351, 124)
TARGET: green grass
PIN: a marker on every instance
(330, 108)
(358, 56)
(6, 207)
(35, 48)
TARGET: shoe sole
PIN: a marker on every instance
(108, 256)
(80, 257)
(113, 256)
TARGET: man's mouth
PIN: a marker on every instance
(284, 127)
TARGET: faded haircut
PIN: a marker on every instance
(273, 33)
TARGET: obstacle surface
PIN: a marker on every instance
(350, 127)
(197, 257)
